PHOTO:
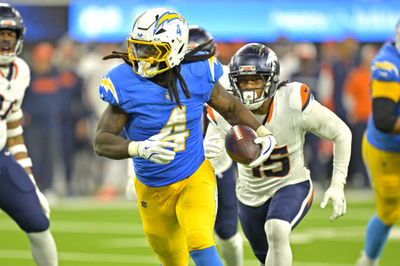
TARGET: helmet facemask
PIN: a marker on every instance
(248, 96)
(157, 42)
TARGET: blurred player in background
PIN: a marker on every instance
(19, 196)
(157, 97)
(226, 222)
(275, 196)
(381, 148)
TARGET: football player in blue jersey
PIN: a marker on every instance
(157, 97)
(20, 198)
(226, 222)
(381, 148)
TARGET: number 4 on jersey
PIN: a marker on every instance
(175, 129)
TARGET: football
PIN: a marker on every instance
(240, 146)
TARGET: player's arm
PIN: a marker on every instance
(16, 145)
(325, 124)
(231, 108)
(385, 95)
(108, 143)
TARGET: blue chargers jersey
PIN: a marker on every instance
(152, 112)
(385, 67)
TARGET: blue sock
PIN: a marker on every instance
(376, 236)
(206, 257)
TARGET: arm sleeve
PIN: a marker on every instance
(325, 124)
(383, 114)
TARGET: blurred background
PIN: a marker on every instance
(326, 44)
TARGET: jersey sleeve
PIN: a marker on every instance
(109, 90)
(218, 121)
(214, 73)
(385, 80)
(19, 84)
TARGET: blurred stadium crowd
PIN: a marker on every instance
(62, 107)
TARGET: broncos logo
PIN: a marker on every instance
(385, 65)
(166, 17)
(107, 84)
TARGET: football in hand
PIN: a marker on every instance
(240, 146)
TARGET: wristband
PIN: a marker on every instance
(25, 163)
(133, 149)
(18, 148)
(263, 131)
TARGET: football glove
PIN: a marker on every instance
(153, 149)
(267, 142)
(336, 193)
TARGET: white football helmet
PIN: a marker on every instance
(157, 42)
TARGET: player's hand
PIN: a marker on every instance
(267, 146)
(335, 193)
(42, 198)
(156, 150)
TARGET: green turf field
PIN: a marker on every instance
(92, 234)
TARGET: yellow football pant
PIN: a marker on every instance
(384, 169)
(180, 217)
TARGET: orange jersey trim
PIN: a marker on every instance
(305, 96)
(210, 112)
(271, 110)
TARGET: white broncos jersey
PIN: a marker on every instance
(14, 79)
(293, 112)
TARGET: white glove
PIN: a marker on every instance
(267, 146)
(42, 198)
(336, 193)
(153, 149)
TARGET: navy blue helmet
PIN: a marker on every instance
(254, 59)
(197, 36)
(10, 19)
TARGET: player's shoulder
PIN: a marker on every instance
(202, 67)
(386, 64)
(22, 66)
(113, 83)
(297, 95)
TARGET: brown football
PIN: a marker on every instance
(240, 146)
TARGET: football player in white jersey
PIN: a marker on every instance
(275, 196)
(226, 223)
(19, 196)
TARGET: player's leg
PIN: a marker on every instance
(196, 210)
(229, 239)
(163, 232)
(252, 220)
(383, 168)
(19, 200)
(286, 209)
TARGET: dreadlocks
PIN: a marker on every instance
(175, 71)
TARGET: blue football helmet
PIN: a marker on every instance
(10, 19)
(251, 60)
(197, 36)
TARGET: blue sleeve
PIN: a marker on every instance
(215, 72)
(384, 71)
(109, 91)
